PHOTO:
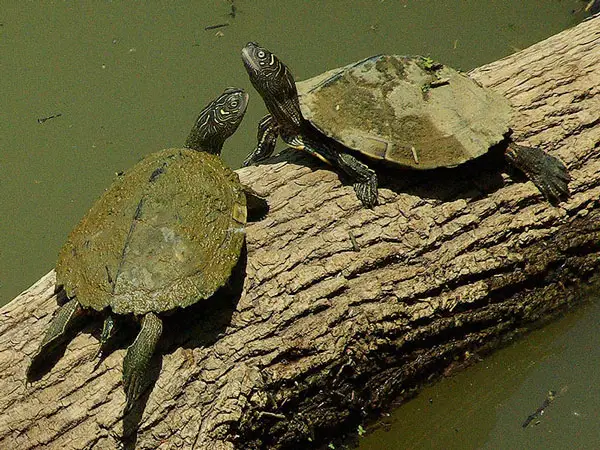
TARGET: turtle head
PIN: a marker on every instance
(261, 64)
(274, 82)
(217, 121)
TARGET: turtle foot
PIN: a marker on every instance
(267, 138)
(259, 154)
(135, 363)
(252, 158)
(365, 179)
(548, 173)
(366, 191)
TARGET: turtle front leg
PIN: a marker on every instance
(135, 363)
(547, 172)
(268, 132)
(365, 179)
(64, 320)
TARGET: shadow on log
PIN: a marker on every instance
(324, 334)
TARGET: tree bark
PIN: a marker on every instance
(343, 308)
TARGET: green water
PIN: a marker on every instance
(129, 78)
(485, 406)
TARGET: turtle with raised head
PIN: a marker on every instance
(407, 111)
(165, 235)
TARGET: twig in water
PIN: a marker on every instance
(43, 119)
(214, 27)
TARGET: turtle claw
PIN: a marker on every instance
(554, 186)
(365, 179)
(260, 153)
(366, 191)
(252, 158)
(552, 179)
(132, 385)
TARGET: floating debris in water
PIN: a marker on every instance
(43, 119)
(542, 409)
(214, 27)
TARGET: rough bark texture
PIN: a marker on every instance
(323, 333)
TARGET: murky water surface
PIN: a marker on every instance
(124, 79)
(485, 406)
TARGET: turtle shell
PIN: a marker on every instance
(406, 110)
(164, 235)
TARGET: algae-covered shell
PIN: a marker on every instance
(166, 234)
(407, 110)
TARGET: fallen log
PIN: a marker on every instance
(342, 308)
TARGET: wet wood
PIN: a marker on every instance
(343, 308)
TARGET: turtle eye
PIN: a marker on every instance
(261, 54)
(233, 104)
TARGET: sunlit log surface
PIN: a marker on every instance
(449, 263)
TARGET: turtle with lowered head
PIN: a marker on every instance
(165, 235)
(406, 111)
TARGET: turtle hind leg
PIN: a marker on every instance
(547, 172)
(137, 358)
(64, 320)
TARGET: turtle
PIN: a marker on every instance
(165, 235)
(405, 111)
